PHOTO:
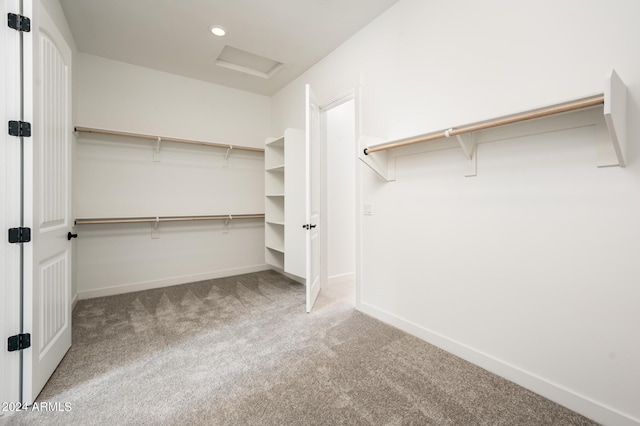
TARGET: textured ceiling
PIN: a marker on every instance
(173, 35)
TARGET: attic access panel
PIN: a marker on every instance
(248, 63)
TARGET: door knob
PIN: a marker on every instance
(70, 236)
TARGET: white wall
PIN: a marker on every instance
(124, 97)
(116, 177)
(340, 199)
(527, 269)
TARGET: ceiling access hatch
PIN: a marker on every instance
(248, 63)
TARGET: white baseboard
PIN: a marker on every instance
(339, 279)
(166, 282)
(288, 275)
(565, 397)
(74, 301)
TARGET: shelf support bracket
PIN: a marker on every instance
(379, 162)
(468, 144)
(613, 152)
(226, 224)
(226, 156)
(155, 232)
(156, 151)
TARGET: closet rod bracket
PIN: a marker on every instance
(225, 230)
(155, 232)
(156, 151)
(467, 142)
(226, 155)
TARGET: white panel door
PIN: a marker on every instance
(10, 105)
(47, 302)
(312, 141)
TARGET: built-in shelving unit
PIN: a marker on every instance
(274, 202)
(284, 190)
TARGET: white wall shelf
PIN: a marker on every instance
(159, 139)
(274, 257)
(279, 249)
(278, 168)
(276, 223)
(274, 237)
(276, 143)
(610, 119)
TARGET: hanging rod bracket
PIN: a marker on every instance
(378, 162)
(155, 232)
(615, 116)
(226, 156)
(467, 142)
(156, 151)
(225, 230)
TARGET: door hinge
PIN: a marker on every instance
(308, 226)
(19, 235)
(19, 342)
(19, 22)
(19, 128)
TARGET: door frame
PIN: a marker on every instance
(326, 104)
(11, 212)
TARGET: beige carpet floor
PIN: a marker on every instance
(242, 351)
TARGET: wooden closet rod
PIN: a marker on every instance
(501, 121)
(99, 221)
(166, 139)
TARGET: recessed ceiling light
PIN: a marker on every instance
(218, 30)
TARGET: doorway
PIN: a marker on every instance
(339, 135)
(35, 181)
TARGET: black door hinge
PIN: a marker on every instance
(19, 128)
(308, 226)
(19, 235)
(19, 342)
(19, 22)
